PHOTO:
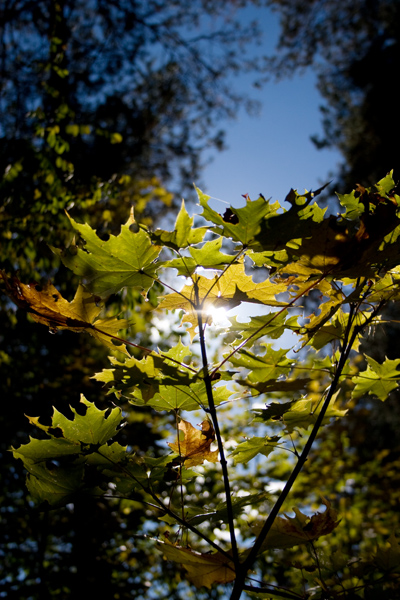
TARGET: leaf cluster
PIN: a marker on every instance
(349, 261)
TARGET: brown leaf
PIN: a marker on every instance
(202, 569)
(292, 531)
(194, 447)
(47, 306)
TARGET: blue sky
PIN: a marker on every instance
(272, 152)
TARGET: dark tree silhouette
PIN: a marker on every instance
(156, 72)
(354, 47)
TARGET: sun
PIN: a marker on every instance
(218, 316)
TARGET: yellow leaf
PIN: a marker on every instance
(226, 290)
(194, 447)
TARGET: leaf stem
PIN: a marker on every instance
(162, 507)
(213, 414)
(348, 341)
(257, 331)
(164, 356)
(234, 259)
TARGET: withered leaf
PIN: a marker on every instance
(292, 531)
(194, 447)
(202, 569)
(47, 306)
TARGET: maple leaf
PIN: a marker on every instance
(378, 379)
(202, 569)
(264, 367)
(56, 465)
(126, 260)
(208, 256)
(47, 306)
(226, 290)
(303, 413)
(300, 221)
(272, 325)
(298, 413)
(292, 531)
(247, 450)
(364, 240)
(183, 235)
(240, 224)
(387, 556)
(194, 447)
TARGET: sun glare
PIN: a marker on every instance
(218, 316)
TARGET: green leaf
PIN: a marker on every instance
(272, 325)
(351, 202)
(270, 365)
(386, 185)
(378, 379)
(56, 465)
(300, 221)
(240, 224)
(94, 427)
(270, 259)
(183, 235)
(295, 384)
(126, 260)
(41, 450)
(247, 450)
(177, 353)
(207, 257)
(142, 379)
(53, 485)
(180, 397)
(387, 556)
(297, 413)
(303, 413)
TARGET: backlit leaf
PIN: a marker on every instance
(301, 529)
(183, 235)
(47, 306)
(378, 379)
(202, 569)
(56, 465)
(94, 427)
(303, 413)
(126, 260)
(194, 445)
(209, 256)
(247, 450)
(246, 224)
(301, 220)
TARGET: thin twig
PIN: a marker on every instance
(213, 414)
(163, 508)
(257, 331)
